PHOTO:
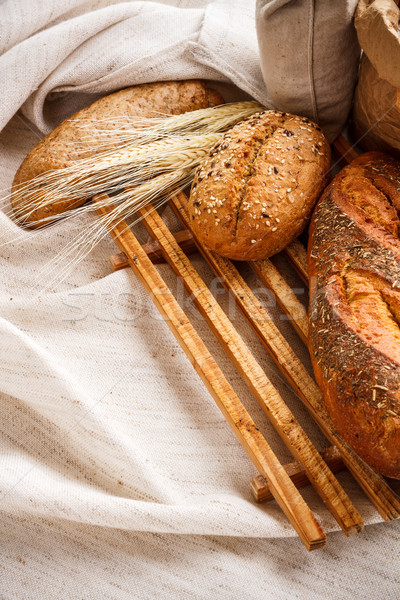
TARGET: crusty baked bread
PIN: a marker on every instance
(67, 142)
(354, 254)
(255, 191)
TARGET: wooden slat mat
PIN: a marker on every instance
(310, 466)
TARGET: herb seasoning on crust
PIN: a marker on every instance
(354, 266)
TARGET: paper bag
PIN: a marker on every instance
(376, 111)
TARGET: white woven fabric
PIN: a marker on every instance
(119, 477)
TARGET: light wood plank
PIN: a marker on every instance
(297, 255)
(259, 485)
(345, 150)
(264, 269)
(284, 295)
(184, 238)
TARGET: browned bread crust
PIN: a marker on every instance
(255, 191)
(354, 254)
(65, 144)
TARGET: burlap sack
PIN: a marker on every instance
(376, 112)
(309, 57)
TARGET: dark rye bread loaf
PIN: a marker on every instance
(69, 142)
(354, 254)
(255, 191)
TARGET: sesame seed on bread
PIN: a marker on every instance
(255, 191)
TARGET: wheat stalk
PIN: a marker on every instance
(129, 154)
(111, 172)
(143, 130)
(152, 157)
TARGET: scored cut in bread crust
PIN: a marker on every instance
(255, 191)
(354, 254)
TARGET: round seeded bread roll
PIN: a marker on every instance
(255, 191)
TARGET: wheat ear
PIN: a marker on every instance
(152, 157)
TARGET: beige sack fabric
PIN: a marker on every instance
(376, 112)
(309, 57)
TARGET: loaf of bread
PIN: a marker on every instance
(255, 191)
(354, 264)
(69, 142)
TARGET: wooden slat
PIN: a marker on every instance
(375, 486)
(297, 256)
(284, 295)
(184, 238)
(344, 149)
(295, 470)
(273, 405)
(283, 489)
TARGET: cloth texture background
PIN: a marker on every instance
(119, 476)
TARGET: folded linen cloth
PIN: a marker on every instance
(56, 58)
